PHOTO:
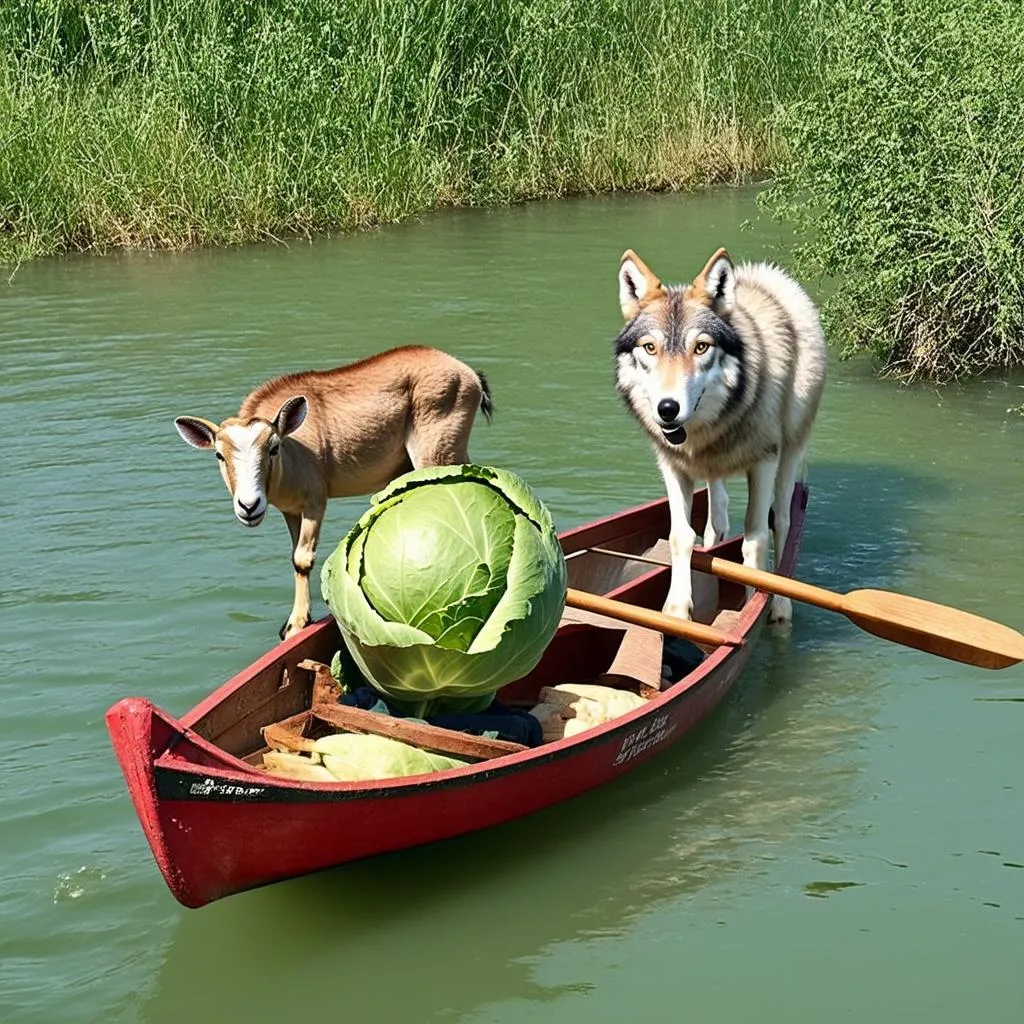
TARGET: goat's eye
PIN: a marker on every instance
(220, 457)
(650, 348)
(273, 450)
(700, 348)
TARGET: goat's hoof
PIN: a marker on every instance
(291, 628)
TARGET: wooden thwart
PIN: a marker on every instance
(432, 738)
(427, 737)
(911, 621)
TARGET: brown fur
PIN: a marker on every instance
(365, 424)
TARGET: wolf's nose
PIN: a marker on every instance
(668, 410)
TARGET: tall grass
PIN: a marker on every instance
(216, 121)
(908, 183)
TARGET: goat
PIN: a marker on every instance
(303, 438)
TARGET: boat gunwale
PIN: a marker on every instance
(279, 651)
(480, 771)
(245, 774)
(234, 772)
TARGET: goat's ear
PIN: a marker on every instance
(637, 285)
(196, 431)
(715, 285)
(291, 416)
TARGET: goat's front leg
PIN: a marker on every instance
(305, 531)
(681, 539)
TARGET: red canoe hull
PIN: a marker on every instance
(217, 826)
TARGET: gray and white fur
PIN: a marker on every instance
(726, 376)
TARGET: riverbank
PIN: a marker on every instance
(894, 132)
(206, 123)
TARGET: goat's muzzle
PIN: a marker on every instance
(250, 515)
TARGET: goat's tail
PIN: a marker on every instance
(486, 402)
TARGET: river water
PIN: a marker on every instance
(844, 840)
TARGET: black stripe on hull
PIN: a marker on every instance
(172, 784)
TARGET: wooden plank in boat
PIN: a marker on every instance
(427, 737)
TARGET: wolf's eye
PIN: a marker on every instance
(700, 348)
(650, 348)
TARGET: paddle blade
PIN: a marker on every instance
(935, 628)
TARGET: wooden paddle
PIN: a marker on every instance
(911, 621)
(647, 617)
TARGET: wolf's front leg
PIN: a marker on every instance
(760, 490)
(681, 540)
(781, 611)
(717, 527)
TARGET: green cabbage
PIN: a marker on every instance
(448, 587)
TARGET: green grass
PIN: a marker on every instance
(908, 183)
(894, 130)
(220, 121)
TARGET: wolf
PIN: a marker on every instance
(726, 376)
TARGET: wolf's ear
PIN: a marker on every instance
(637, 285)
(715, 285)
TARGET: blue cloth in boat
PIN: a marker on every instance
(678, 657)
(516, 725)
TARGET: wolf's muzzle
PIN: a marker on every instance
(668, 411)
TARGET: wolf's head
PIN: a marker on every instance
(679, 360)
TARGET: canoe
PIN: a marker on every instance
(219, 823)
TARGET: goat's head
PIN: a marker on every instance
(246, 451)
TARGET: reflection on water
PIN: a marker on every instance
(844, 767)
(459, 921)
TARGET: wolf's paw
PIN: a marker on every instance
(712, 536)
(680, 609)
(780, 611)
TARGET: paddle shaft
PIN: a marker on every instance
(911, 621)
(749, 577)
(650, 619)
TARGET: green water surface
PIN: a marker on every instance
(843, 841)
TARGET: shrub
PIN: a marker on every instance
(907, 183)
